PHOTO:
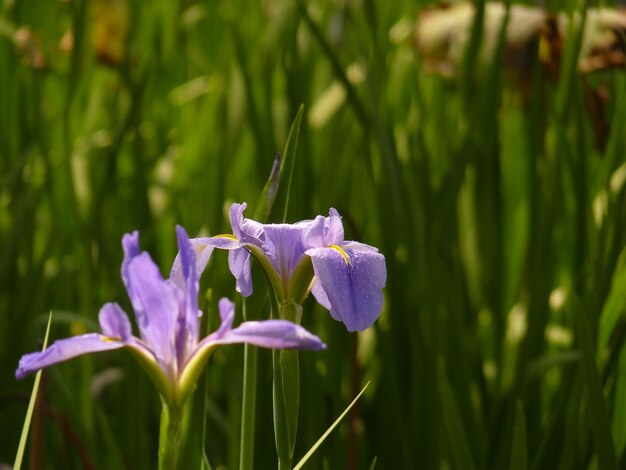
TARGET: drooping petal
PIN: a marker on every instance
(65, 349)
(277, 334)
(114, 322)
(156, 307)
(239, 264)
(351, 277)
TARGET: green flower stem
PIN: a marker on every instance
(286, 391)
(169, 436)
(246, 446)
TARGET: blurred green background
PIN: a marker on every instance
(488, 165)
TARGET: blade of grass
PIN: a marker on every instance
(282, 166)
(597, 410)
(338, 69)
(286, 390)
(312, 450)
(519, 460)
(31, 406)
(288, 163)
(619, 413)
(457, 438)
(248, 411)
(268, 195)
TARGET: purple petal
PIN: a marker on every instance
(320, 295)
(114, 322)
(334, 228)
(203, 248)
(227, 316)
(314, 238)
(325, 231)
(239, 261)
(65, 349)
(277, 334)
(246, 230)
(351, 278)
(187, 334)
(239, 264)
(156, 306)
(130, 243)
(284, 245)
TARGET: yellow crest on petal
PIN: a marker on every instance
(341, 252)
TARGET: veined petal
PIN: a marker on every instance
(334, 228)
(187, 327)
(114, 322)
(65, 349)
(314, 238)
(268, 334)
(284, 245)
(277, 334)
(195, 361)
(156, 307)
(246, 230)
(351, 277)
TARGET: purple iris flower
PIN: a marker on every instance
(167, 314)
(348, 276)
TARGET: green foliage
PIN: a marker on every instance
(499, 205)
(31, 407)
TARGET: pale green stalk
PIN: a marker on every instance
(286, 391)
(169, 436)
(246, 446)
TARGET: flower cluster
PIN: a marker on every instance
(347, 277)
(167, 315)
(310, 256)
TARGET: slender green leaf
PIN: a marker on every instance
(248, 411)
(286, 390)
(619, 414)
(614, 305)
(283, 165)
(597, 409)
(31, 406)
(519, 456)
(289, 157)
(312, 450)
(457, 438)
(270, 190)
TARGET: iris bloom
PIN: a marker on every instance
(346, 277)
(167, 314)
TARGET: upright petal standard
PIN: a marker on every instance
(167, 314)
(345, 277)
